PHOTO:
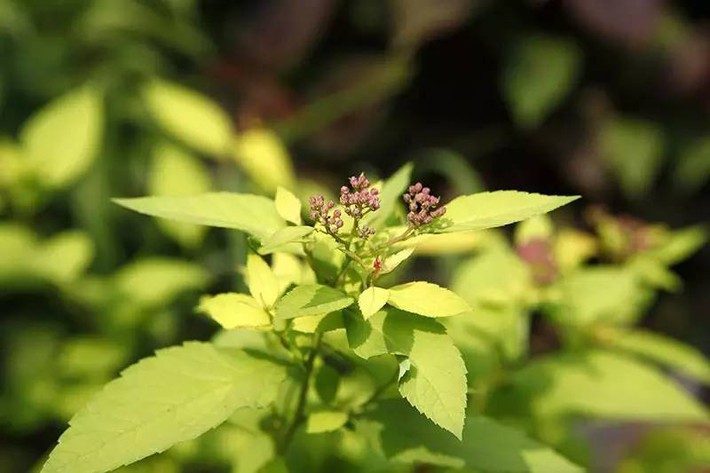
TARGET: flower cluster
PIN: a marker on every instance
(423, 207)
(320, 212)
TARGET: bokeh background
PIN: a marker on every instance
(609, 99)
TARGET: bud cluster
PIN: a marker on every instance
(423, 207)
(358, 200)
(320, 212)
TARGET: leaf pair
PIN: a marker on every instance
(417, 297)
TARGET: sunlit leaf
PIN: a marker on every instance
(325, 421)
(64, 137)
(265, 159)
(308, 300)
(189, 116)
(263, 285)
(246, 212)
(288, 205)
(65, 257)
(232, 310)
(285, 240)
(427, 299)
(495, 209)
(372, 300)
(177, 395)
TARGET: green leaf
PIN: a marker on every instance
(288, 205)
(189, 116)
(391, 195)
(65, 257)
(693, 166)
(634, 151)
(589, 383)
(312, 299)
(62, 140)
(262, 283)
(495, 209)
(177, 395)
(284, 240)
(427, 299)
(581, 304)
(232, 310)
(680, 244)
(393, 261)
(175, 172)
(153, 282)
(538, 75)
(487, 446)
(436, 381)
(249, 213)
(666, 351)
(495, 277)
(325, 421)
(265, 159)
(372, 300)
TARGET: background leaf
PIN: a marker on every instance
(176, 172)
(538, 75)
(487, 446)
(64, 137)
(190, 117)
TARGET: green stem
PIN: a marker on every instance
(300, 414)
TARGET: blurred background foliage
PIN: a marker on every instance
(609, 99)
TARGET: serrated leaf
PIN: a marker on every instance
(538, 75)
(249, 213)
(487, 446)
(63, 138)
(175, 172)
(288, 205)
(189, 116)
(428, 299)
(232, 310)
(265, 159)
(436, 381)
(634, 150)
(325, 421)
(312, 299)
(655, 347)
(588, 384)
(262, 283)
(372, 300)
(283, 240)
(495, 209)
(174, 396)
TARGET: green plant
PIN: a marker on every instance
(320, 343)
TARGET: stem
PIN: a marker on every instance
(400, 237)
(300, 414)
